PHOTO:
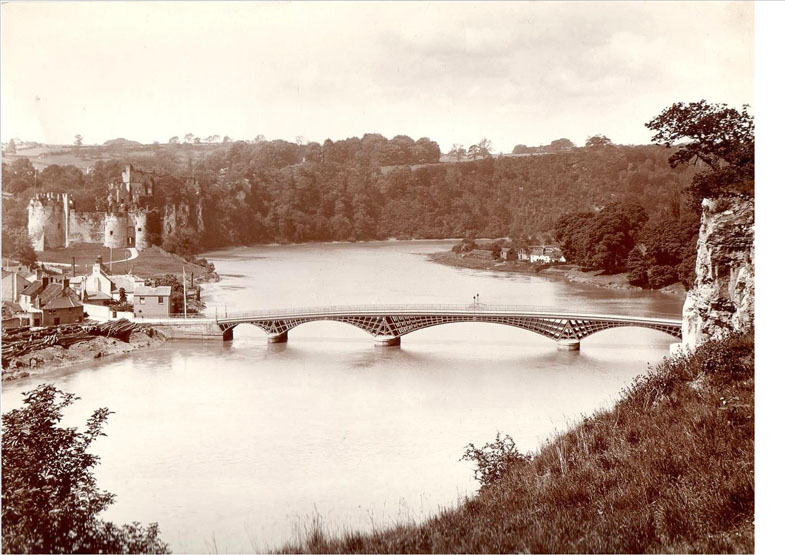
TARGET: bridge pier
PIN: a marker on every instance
(387, 341)
(228, 334)
(568, 344)
(280, 338)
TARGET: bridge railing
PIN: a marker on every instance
(420, 309)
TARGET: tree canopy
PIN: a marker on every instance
(51, 503)
(719, 137)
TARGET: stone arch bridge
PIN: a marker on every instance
(387, 324)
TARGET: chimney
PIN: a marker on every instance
(66, 283)
(44, 280)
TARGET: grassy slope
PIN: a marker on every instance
(151, 262)
(668, 469)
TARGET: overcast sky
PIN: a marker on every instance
(514, 72)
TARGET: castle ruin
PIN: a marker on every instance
(52, 221)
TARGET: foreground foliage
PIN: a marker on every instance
(669, 469)
(51, 502)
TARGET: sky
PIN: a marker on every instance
(456, 72)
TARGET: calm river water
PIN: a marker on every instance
(237, 446)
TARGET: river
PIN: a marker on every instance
(238, 446)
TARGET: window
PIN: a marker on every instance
(57, 321)
(141, 300)
(138, 229)
(111, 232)
(160, 300)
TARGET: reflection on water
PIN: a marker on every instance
(235, 443)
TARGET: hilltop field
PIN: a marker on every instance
(42, 156)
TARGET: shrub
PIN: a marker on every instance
(50, 498)
(494, 459)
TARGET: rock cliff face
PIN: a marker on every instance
(722, 299)
(181, 215)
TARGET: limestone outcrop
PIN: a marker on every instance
(722, 300)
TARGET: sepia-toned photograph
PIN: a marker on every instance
(379, 277)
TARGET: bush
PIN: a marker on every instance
(50, 498)
(494, 459)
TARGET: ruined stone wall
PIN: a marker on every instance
(86, 227)
(722, 299)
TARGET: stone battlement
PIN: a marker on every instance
(52, 221)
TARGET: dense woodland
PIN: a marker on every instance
(372, 188)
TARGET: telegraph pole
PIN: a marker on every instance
(185, 297)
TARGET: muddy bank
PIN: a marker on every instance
(569, 272)
(43, 360)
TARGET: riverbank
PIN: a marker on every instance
(568, 272)
(669, 469)
(43, 360)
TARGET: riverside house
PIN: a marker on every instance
(546, 255)
(51, 303)
(153, 302)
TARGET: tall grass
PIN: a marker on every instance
(669, 469)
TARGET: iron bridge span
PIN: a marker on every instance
(387, 324)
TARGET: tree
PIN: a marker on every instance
(637, 267)
(598, 141)
(174, 140)
(522, 149)
(719, 137)
(480, 150)
(559, 145)
(77, 144)
(661, 276)
(51, 503)
(227, 139)
(16, 245)
(11, 148)
(18, 176)
(188, 138)
(259, 139)
(183, 240)
(457, 152)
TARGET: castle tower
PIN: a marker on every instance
(115, 230)
(140, 229)
(47, 221)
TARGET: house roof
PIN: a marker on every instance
(98, 296)
(33, 289)
(129, 282)
(65, 301)
(160, 291)
(52, 291)
(11, 307)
